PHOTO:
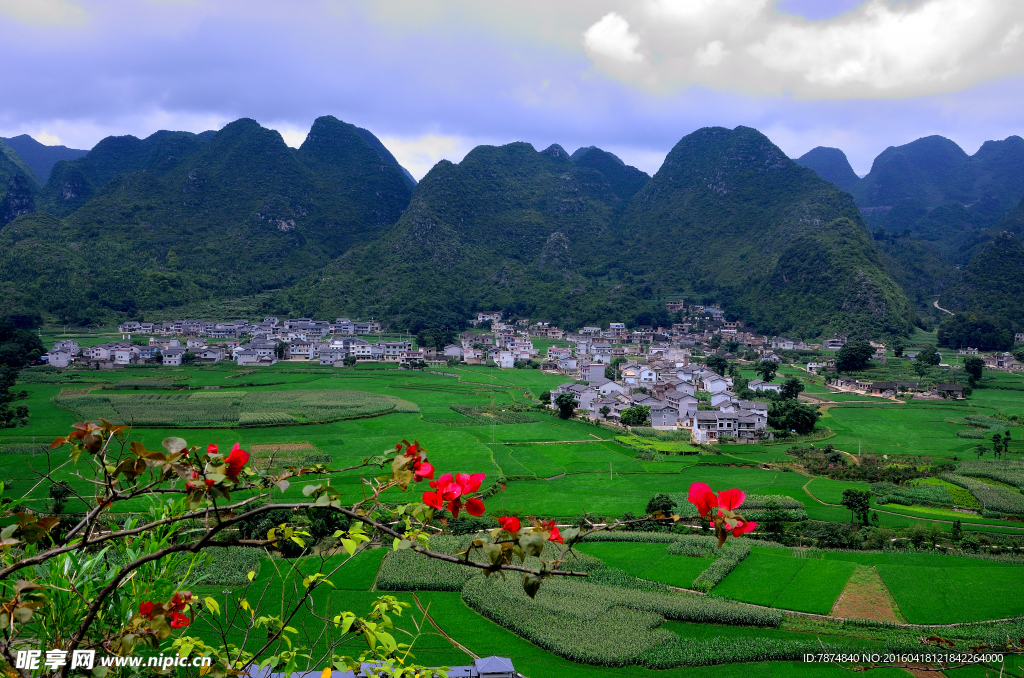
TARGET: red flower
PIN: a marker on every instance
(180, 600)
(509, 523)
(730, 500)
(433, 499)
(423, 470)
(743, 528)
(474, 507)
(553, 529)
(236, 461)
(469, 483)
(178, 620)
(211, 448)
(703, 498)
(146, 609)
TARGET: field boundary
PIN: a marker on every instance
(444, 635)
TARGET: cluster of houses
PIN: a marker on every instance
(669, 390)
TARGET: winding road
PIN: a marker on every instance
(936, 305)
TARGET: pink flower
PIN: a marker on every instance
(743, 528)
(730, 500)
(703, 498)
(211, 448)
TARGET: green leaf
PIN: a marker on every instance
(211, 605)
(173, 445)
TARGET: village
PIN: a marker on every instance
(668, 373)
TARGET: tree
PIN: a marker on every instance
(717, 363)
(854, 355)
(980, 450)
(188, 357)
(566, 404)
(59, 493)
(928, 357)
(435, 337)
(349, 361)
(661, 503)
(545, 397)
(898, 347)
(997, 445)
(638, 415)
(957, 533)
(766, 369)
(920, 368)
(974, 366)
(605, 410)
(1006, 442)
(791, 388)
(859, 503)
(789, 415)
(731, 345)
(279, 350)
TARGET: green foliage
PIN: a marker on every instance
(1010, 472)
(638, 415)
(566, 405)
(789, 415)
(225, 567)
(853, 355)
(766, 369)
(791, 388)
(231, 408)
(974, 366)
(662, 503)
(976, 330)
(717, 363)
(859, 502)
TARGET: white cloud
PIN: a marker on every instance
(712, 53)
(419, 154)
(292, 135)
(43, 137)
(611, 37)
(44, 12)
(883, 48)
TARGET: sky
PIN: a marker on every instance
(435, 78)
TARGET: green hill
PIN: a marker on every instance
(178, 218)
(831, 165)
(993, 281)
(508, 227)
(18, 186)
(625, 179)
(728, 211)
(728, 217)
(40, 157)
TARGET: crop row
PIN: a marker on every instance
(992, 497)
(729, 556)
(228, 408)
(407, 570)
(932, 495)
(603, 625)
(1009, 472)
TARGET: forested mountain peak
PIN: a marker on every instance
(831, 165)
(40, 157)
(625, 179)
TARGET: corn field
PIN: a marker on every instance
(607, 625)
(1009, 472)
(728, 557)
(992, 497)
(931, 495)
(207, 409)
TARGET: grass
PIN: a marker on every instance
(946, 595)
(786, 582)
(648, 561)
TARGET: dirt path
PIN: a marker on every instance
(866, 597)
(936, 305)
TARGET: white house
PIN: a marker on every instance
(505, 360)
(715, 384)
(759, 385)
(59, 358)
(172, 356)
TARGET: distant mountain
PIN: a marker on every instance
(625, 179)
(18, 186)
(174, 218)
(993, 282)
(40, 157)
(831, 165)
(542, 234)
(907, 182)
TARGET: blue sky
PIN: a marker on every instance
(433, 78)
